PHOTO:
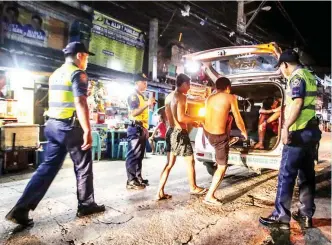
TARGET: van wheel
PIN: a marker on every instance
(210, 167)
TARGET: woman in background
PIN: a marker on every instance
(159, 134)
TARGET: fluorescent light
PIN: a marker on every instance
(192, 66)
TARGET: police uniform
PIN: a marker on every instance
(298, 156)
(137, 135)
(63, 135)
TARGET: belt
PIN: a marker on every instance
(61, 119)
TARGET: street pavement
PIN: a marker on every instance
(133, 217)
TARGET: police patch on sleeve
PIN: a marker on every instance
(83, 77)
(296, 82)
(133, 102)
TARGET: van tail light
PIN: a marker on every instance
(200, 154)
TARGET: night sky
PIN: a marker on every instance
(311, 18)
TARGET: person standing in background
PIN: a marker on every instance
(137, 133)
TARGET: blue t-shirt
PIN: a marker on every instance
(297, 86)
(133, 101)
(80, 83)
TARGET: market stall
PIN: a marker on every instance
(20, 135)
(109, 111)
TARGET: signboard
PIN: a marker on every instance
(245, 64)
(27, 22)
(117, 46)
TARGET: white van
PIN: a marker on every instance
(253, 77)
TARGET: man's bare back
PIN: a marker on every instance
(217, 109)
(218, 106)
(168, 110)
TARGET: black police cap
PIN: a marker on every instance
(76, 47)
(288, 55)
(140, 77)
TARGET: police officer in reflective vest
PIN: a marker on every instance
(137, 133)
(300, 135)
(67, 100)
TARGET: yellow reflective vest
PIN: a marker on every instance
(144, 116)
(61, 98)
(309, 103)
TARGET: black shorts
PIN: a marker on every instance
(168, 139)
(180, 143)
(220, 144)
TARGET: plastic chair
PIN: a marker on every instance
(96, 145)
(161, 145)
(124, 149)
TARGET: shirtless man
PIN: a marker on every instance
(170, 120)
(175, 108)
(217, 107)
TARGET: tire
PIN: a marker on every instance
(210, 167)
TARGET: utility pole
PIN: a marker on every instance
(153, 48)
(240, 24)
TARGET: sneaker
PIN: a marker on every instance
(19, 216)
(91, 209)
(135, 185)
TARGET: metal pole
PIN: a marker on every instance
(254, 15)
(240, 24)
(153, 48)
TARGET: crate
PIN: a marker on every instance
(15, 160)
(19, 137)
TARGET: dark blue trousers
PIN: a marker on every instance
(62, 138)
(297, 161)
(136, 148)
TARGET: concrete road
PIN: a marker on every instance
(133, 217)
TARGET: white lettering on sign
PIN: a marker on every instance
(244, 55)
(221, 52)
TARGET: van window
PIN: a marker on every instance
(244, 64)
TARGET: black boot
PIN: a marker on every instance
(143, 181)
(91, 209)
(19, 216)
(306, 221)
(272, 221)
(135, 185)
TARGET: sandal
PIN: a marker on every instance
(200, 193)
(258, 148)
(164, 197)
(233, 140)
(216, 202)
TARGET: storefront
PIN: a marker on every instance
(109, 110)
(32, 37)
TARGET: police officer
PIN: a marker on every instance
(137, 133)
(300, 135)
(67, 98)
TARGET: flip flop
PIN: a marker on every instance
(200, 193)
(258, 148)
(164, 197)
(216, 203)
(233, 140)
